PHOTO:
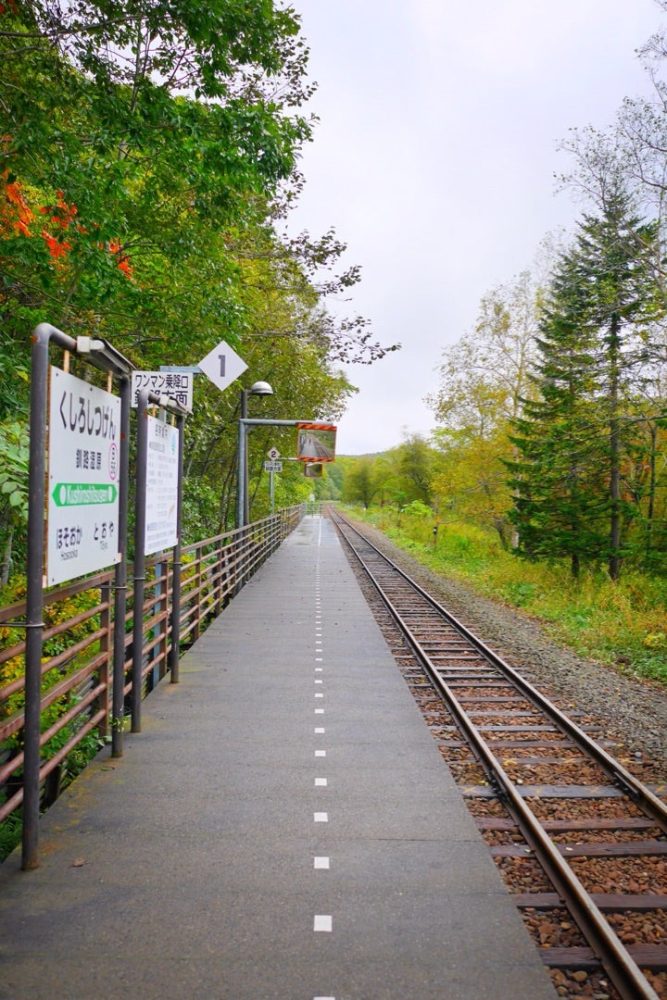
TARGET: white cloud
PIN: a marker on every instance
(435, 158)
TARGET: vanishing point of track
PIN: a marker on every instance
(495, 710)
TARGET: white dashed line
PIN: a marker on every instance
(319, 711)
(323, 922)
(318, 694)
(320, 782)
(318, 680)
(318, 729)
(318, 659)
(320, 753)
(322, 863)
(321, 817)
(318, 670)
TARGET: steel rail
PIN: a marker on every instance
(628, 783)
(619, 965)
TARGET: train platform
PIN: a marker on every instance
(283, 828)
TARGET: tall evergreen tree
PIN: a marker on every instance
(595, 342)
(559, 490)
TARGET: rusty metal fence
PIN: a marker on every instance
(76, 690)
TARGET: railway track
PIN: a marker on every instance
(543, 791)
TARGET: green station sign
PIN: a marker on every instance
(83, 494)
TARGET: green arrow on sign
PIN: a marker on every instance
(83, 494)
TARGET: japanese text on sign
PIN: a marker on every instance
(84, 455)
(178, 385)
(161, 486)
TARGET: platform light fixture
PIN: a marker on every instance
(256, 389)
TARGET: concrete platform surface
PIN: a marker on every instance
(282, 829)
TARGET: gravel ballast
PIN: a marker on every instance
(631, 711)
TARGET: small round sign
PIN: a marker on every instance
(273, 454)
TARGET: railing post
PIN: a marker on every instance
(139, 560)
(120, 576)
(198, 597)
(105, 667)
(162, 573)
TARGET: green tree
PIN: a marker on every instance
(597, 338)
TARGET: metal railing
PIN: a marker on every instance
(76, 689)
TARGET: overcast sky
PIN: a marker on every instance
(435, 158)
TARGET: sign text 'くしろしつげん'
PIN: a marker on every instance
(177, 384)
(161, 486)
(84, 464)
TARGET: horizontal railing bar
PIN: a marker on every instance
(75, 710)
(61, 594)
(219, 567)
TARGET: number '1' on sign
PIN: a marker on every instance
(222, 365)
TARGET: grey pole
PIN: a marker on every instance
(120, 575)
(139, 558)
(242, 465)
(241, 475)
(35, 596)
(176, 565)
(272, 491)
(245, 424)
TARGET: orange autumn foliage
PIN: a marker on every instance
(15, 213)
(123, 262)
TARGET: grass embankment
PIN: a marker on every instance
(624, 624)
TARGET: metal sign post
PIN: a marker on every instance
(145, 541)
(102, 355)
(120, 581)
(245, 424)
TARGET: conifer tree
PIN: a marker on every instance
(559, 490)
(595, 342)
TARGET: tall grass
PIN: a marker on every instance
(624, 623)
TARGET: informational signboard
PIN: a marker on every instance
(177, 384)
(313, 470)
(222, 365)
(84, 462)
(272, 465)
(316, 442)
(273, 454)
(161, 486)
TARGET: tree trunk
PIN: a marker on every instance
(6, 564)
(650, 513)
(614, 450)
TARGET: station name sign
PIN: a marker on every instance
(84, 462)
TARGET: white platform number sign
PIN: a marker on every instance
(84, 459)
(161, 486)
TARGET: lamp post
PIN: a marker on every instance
(242, 499)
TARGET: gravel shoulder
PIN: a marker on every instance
(632, 712)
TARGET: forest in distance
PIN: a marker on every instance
(149, 161)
